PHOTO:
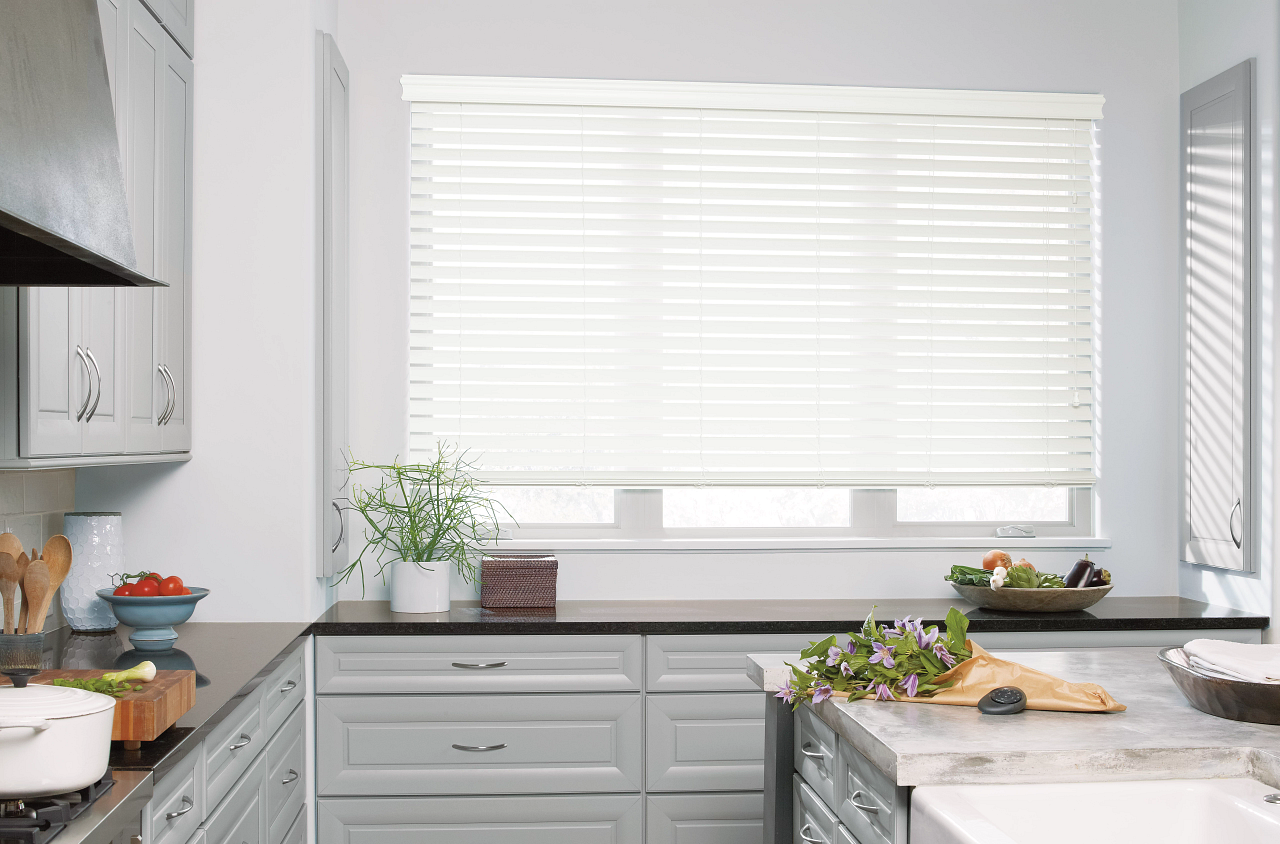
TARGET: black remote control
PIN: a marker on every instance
(1005, 700)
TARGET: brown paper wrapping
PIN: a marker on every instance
(984, 672)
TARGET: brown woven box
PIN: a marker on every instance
(518, 580)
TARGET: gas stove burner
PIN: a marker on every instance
(39, 819)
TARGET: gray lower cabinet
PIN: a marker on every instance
(297, 833)
(286, 766)
(715, 663)
(705, 742)
(178, 803)
(555, 819)
(508, 744)
(242, 817)
(812, 821)
(704, 819)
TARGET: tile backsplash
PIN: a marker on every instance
(32, 503)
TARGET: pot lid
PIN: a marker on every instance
(50, 702)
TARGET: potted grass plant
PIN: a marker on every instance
(423, 522)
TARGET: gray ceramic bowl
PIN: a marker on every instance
(153, 617)
(1257, 703)
(1032, 600)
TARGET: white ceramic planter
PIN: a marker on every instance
(415, 589)
(52, 739)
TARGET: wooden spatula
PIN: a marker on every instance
(10, 583)
(36, 586)
(23, 562)
(57, 556)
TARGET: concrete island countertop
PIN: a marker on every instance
(1159, 736)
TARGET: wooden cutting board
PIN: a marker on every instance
(142, 715)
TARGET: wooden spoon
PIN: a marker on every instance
(57, 556)
(36, 585)
(10, 579)
(23, 562)
(11, 545)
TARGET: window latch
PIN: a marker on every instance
(1016, 530)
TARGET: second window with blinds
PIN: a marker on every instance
(657, 309)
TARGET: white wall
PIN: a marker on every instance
(239, 517)
(1215, 36)
(1126, 50)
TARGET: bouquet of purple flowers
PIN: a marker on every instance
(887, 663)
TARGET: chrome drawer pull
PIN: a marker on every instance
(480, 749)
(293, 777)
(187, 806)
(288, 687)
(804, 748)
(244, 740)
(806, 828)
(479, 664)
(873, 810)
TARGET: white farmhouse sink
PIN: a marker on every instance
(1163, 811)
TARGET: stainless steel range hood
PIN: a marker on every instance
(64, 221)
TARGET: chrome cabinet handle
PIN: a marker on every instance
(88, 391)
(288, 687)
(478, 749)
(167, 395)
(809, 827)
(475, 665)
(1231, 523)
(293, 777)
(244, 740)
(871, 810)
(804, 748)
(173, 394)
(187, 806)
(342, 529)
(98, 373)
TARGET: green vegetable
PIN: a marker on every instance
(1021, 577)
(969, 576)
(144, 671)
(102, 686)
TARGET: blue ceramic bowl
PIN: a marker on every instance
(153, 617)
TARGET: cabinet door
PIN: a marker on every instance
(175, 246)
(178, 16)
(103, 337)
(1217, 346)
(705, 819)
(56, 384)
(242, 817)
(147, 393)
(704, 742)
(333, 329)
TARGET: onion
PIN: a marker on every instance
(997, 558)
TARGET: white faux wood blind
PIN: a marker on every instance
(640, 295)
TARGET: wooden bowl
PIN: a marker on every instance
(1032, 600)
(1257, 703)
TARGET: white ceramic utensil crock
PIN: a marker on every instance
(53, 739)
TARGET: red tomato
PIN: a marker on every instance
(171, 585)
(124, 589)
(154, 576)
(146, 588)
(186, 591)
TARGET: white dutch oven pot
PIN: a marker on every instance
(53, 739)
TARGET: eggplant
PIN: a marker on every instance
(1080, 575)
(1101, 577)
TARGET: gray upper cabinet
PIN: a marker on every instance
(178, 17)
(1217, 330)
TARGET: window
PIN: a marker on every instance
(624, 285)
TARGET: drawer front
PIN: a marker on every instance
(282, 692)
(844, 836)
(540, 744)
(867, 802)
(231, 748)
(285, 781)
(476, 664)
(713, 663)
(813, 822)
(705, 742)
(297, 833)
(198, 838)
(594, 819)
(241, 819)
(705, 819)
(815, 754)
(178, 805)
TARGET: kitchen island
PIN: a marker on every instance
(901, 745)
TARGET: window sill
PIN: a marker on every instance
(768, 545)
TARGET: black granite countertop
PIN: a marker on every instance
(374, 618)
(232, 658)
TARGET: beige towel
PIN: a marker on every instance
(1234, 660)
